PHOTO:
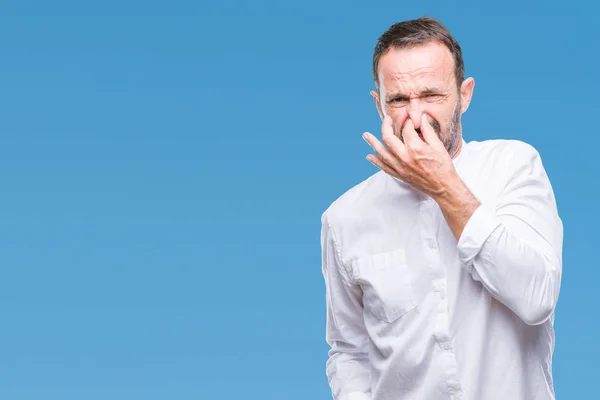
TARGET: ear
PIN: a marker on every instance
(466, 93)
(377, 103)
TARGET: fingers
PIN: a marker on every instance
(428, 132)
(389, 137)
(382, 165)
(385, 155)
(410, 136)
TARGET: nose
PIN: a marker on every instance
(415, 112)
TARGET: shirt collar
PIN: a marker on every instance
(461, 154)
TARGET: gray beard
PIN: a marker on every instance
(452, 141)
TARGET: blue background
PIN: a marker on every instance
(164, 167)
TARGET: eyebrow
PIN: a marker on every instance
(430, 90)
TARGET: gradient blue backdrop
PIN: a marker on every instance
(164, 167)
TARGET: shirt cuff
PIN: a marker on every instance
(477, 230)
(355, 396)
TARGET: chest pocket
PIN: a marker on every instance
(386, 284)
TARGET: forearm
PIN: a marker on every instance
(508, 250)
(348, 375)
(347, 367)
(520, 271)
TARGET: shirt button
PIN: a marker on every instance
(431, 243)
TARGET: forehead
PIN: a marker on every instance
(415, 67)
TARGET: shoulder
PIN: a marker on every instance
(352, 203)
(494, 148)
(500, 156)
(500, 167)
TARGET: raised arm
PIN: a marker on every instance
(514, 247)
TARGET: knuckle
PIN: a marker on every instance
(386, 140)
(386, 158)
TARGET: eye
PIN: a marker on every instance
(398, 100)
(433, 97)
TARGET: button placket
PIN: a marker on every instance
(442, 336)
(429, 242)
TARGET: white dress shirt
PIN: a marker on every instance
(414, 314)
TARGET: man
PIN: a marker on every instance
(443, 269)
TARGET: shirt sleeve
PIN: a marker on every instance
(347, 367)
(514, 247)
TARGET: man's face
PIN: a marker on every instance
(421, 80)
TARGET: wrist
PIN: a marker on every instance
(453, 190)
(456, 198)
(457, 204)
